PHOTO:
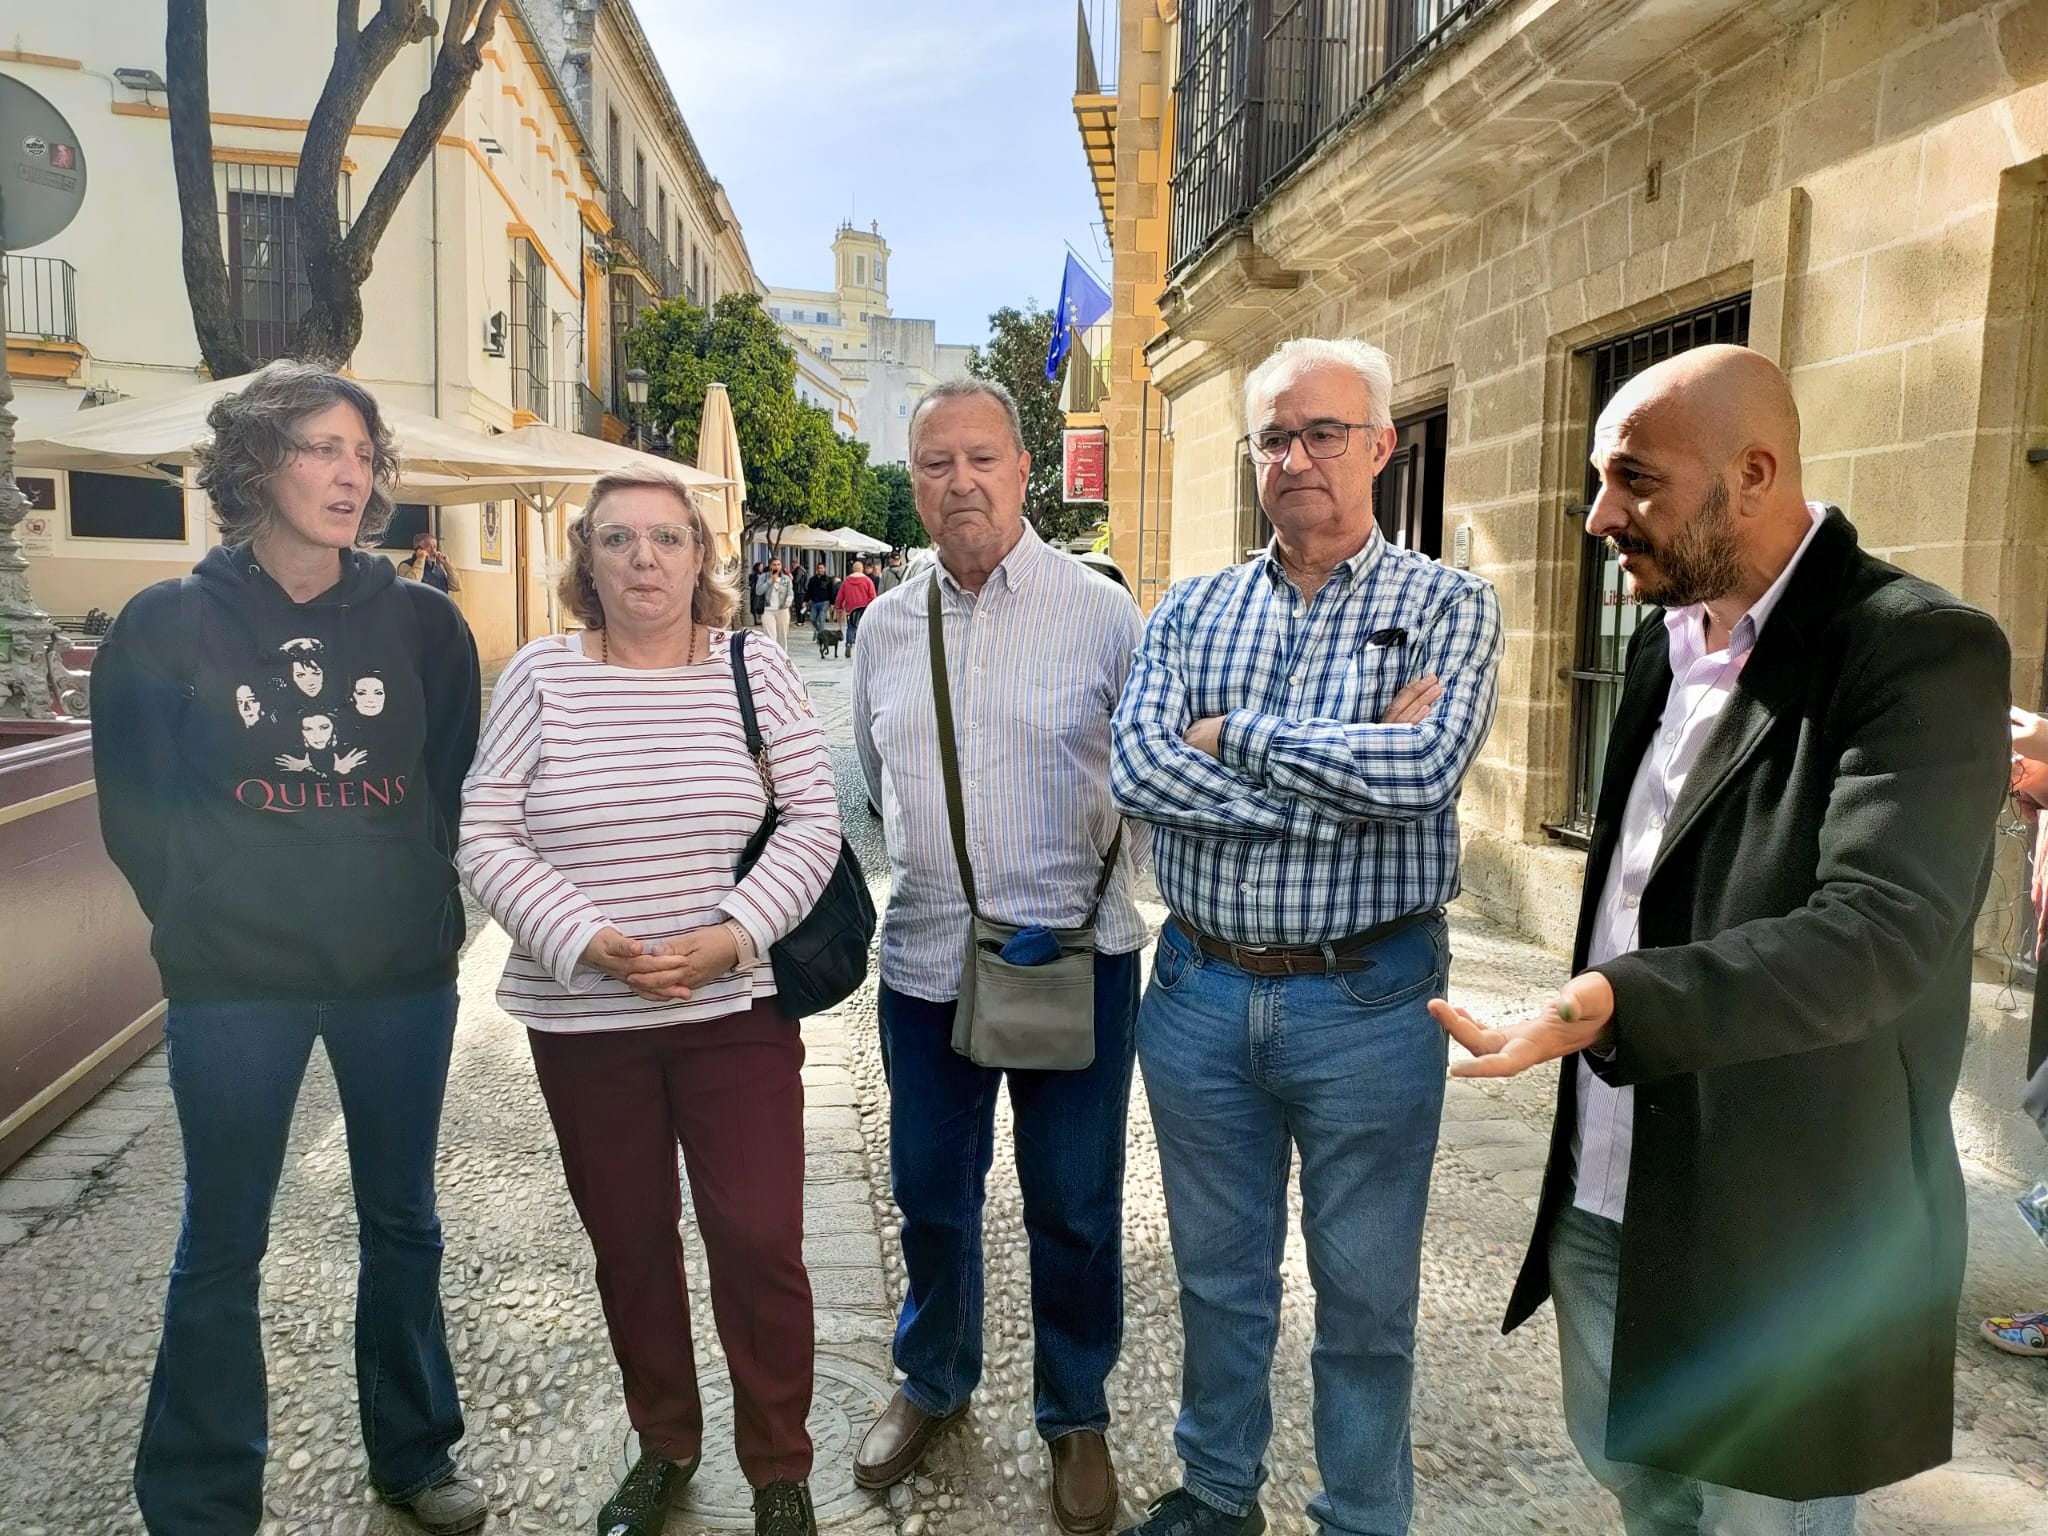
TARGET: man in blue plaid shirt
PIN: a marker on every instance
(1297, 729)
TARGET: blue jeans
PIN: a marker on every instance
(818, 612)
(1070, 1165)
(1242, 1071)
(1585, 1278)
(235, 1069)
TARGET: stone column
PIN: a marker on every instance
(29, 634)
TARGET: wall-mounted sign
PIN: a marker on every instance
(38, 534)
(491, 534)
(41, 165)
(1084, 464)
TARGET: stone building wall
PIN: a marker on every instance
(1872, 173)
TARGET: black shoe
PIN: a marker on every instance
(640, 1507)
(784, 1509)
(1180, 1513)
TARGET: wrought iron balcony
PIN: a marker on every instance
(633, 240)
(42, 298)
(1097, 51)
(1101, 44)
(1262, 83)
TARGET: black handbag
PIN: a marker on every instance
(821, 962)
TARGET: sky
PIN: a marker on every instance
(949, 121)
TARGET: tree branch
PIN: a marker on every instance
(206, 271)
(454, 68)
(337, 265)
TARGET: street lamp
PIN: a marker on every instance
(636, 398)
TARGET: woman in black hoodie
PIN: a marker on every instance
(280, 740)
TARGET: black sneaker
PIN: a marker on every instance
(1180, 1513)
(640, 1507)
(784, 1509)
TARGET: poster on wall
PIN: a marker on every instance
(1084, 463)
(38, 534)
(491, 534)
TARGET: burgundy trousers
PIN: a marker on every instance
(730, 1093)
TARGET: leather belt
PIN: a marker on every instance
(1345, 954)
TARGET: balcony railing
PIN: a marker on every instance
(634, 239)
(1263, 82)
(42, 298)
(578, 408)
(1099, 47)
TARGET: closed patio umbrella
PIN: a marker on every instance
(718, 454)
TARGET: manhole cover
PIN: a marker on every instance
(848, 1398)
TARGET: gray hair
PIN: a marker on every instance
(256, 434)
(968, 389)
(1302, 353)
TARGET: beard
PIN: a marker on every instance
(1702, 561)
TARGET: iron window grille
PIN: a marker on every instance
(1607, 613)
(267, 280)
(530, 330)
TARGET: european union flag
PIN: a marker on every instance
(1082, 303)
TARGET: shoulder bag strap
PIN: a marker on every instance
(949, 764)
(757, 749)
(949, 754)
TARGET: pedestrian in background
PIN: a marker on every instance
(891, 577)
(1036, 652)
(818, 595)
(855, 593)
(1753, 1223)
(283, 793)
(778, 598)
(2026, 1333)
(612, 797)
(1297, 729)
(757, 591)
(429, 565)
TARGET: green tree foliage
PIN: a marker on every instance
(900, 525)
(685, 349)
(1015, 358)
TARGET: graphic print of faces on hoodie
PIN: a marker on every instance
(306, 699)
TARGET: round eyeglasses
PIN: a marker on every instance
(621, 538)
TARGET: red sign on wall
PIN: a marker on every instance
(1084, 463)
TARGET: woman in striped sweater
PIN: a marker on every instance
(611, 798)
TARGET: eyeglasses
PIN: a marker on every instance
(328, 451)
(1319, 440)
(623, 538)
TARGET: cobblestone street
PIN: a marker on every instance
(88, 1221)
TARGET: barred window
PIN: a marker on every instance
(266, 267)
(530, 329)
(1608, 612)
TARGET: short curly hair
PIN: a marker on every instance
(256, 434)
(717, 593)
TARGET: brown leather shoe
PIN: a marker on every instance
(897, 1443)
(1083, 1483)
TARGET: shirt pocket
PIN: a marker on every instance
(1060, 708)
(1366, 684)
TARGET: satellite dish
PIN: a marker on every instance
(42, 169)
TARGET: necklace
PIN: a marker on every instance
(604, 647)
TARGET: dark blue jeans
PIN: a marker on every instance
(235, 1070)
(1070, 1165)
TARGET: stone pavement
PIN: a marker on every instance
(88, 1221)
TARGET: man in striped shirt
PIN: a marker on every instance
(1297, 729)
(1037, 650)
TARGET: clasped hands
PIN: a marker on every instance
(667, 969)
(1411, 706)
